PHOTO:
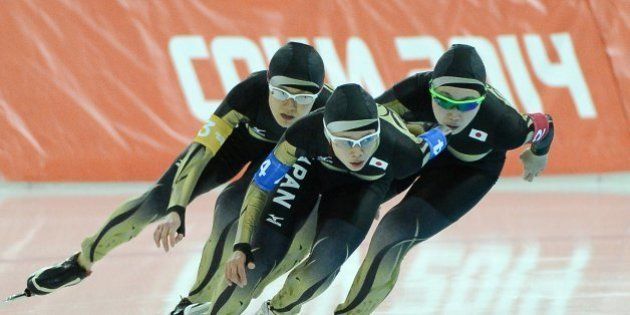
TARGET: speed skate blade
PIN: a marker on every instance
(16, 297)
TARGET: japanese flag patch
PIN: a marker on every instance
(478, 134)
(378, 163)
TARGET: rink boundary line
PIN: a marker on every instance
(183, 282)
(17, 189)
(615, 183)
(611, 183)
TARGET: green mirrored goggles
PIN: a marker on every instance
(460, 105)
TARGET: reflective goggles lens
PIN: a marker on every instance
(448, 103)
(301, 99)
(347, 143)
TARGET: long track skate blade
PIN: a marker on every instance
(16, 297)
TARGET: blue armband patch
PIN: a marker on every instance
(436, 139)
(270, 173)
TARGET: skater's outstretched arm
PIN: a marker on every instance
(207, 143)
(519, 129)
(233, 110)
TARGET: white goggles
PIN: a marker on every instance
(300, 99)
(363, 142)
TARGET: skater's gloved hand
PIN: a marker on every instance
(166, 232)
(235, 269)
(533, 164)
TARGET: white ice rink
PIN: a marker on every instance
(560, 245)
